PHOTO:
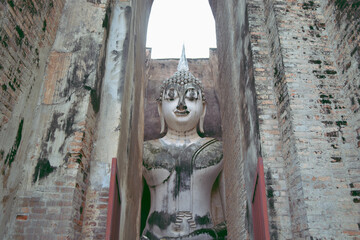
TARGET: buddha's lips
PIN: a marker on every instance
(181, 113)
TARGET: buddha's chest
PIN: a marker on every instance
(181, 164)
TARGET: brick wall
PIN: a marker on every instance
(94, 226)
(307, 107)
(26, 27)
(342, 19)
(313, 119)
(27, 32)
(319, 117)
(54, 206)
(55, 155)
(281, 92)
(270, 137)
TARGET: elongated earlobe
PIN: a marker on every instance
(162, 120)
(201, 122)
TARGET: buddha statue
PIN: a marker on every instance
(181, 167)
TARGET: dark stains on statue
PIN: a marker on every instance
(183, 161)
(209, 154)
(42, 169)
(161, 219)
(10, 157)
(204, 220)
(163, 160)
(203, 233)
(183, 171)
(158, 156)
(94, 1)
(151, 236)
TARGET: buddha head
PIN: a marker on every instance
(182, 104)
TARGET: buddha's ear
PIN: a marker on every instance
(201, 123)
(162, 120)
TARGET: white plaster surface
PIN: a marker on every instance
(110, 111)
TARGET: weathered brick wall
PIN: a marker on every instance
(269, 125)
(52, 165)
(342, 19)
(307, 107)
(27, 32)
(26, 28)
(313, 120)
(97, 196)
(280, 85)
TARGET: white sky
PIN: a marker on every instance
(174, 22)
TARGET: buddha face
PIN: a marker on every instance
(182, 106)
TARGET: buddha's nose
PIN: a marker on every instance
(181, 105)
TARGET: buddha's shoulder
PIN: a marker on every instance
(152, 146)
(155, 155)
(152, 149)
(210, 153)
(211, 144)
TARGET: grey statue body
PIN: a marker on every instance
(180, 179)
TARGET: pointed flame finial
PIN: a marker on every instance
(183, 64)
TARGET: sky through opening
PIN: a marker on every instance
(174, 22)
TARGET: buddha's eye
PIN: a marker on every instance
(171, 94)
(191, 94)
